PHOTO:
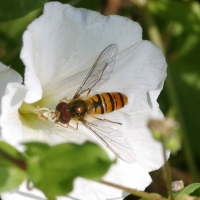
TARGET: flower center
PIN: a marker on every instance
(27, 108)
(33, 110)
(36, 121)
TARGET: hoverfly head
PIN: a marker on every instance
(64, 114)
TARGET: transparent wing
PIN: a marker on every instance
(100, 72)
(112, 138)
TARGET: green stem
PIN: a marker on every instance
(145, 195)
(153, 31)
(20, 163)
(168, 173)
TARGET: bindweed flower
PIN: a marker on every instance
(58, 50)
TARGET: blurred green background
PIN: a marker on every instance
(174, 25)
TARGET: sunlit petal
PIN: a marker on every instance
(54, 51)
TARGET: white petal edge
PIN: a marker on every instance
(67, 40)
(11, 127)
(7, 75)
(30, 77)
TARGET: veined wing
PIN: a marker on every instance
(112, 138)
(101, 71)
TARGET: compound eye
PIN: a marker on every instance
(65, 116)
(61, 107)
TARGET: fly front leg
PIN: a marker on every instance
(59, 124)
(64, 100)
(107, 120)
(67, 125)
(73, 127)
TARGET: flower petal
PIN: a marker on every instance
(70, 42)
(140, 70)
(7, 75)
(134, 176)
(11, 96)
(31, 79)
(11, 127)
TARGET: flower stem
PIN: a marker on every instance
(168, 173)
(145, 195)
(153, 31)
(20, 163)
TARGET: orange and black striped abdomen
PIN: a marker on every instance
(107, 102)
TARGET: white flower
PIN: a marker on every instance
(59, 48)
(12, 94)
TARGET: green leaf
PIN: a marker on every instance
(186, 15)
(54, 170)
(190, 189)
(11, 150)
(36, 148)
(11, 40)
(12, 9)
(196, 193)
(184, 73)
(92, 5)
(11, 174)
(182, 197)
(179, 22)
(11, 178)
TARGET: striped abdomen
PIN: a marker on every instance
(107, 102)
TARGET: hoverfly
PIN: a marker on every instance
(77, 109)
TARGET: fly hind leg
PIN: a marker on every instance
(67, 125)
(107, 120)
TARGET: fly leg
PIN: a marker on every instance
(107, 120)
(73, 127)
(67, 126)
(59, 124)
(64, 99)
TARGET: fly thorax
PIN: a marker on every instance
(77, 108)
(89, 105)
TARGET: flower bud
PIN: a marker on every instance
(177, 186)
(165, 131)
